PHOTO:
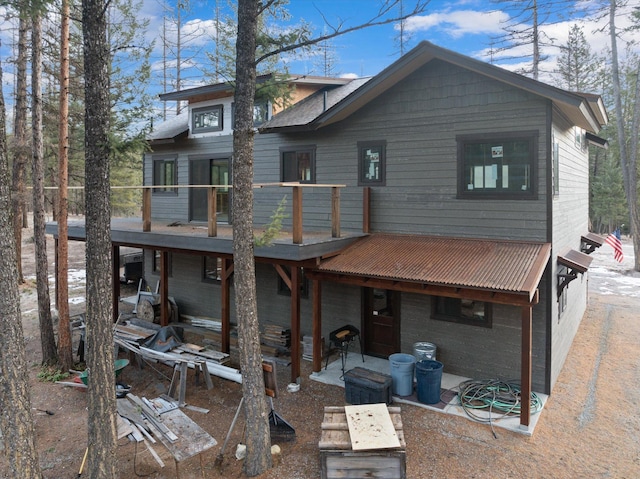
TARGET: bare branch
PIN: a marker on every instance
(377, 20)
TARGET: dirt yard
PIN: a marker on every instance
(589, 428)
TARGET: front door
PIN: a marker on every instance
(381, 322)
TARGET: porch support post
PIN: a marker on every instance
(525, 373)
(295, 324)
(164, 288)
(366, 209)
(225, 292)
(317, 325)
(335, 212)
(297, 215)
(212, 210)
(115, 272)
(146, 209)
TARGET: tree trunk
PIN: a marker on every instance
(101, 460)
(21, 145)
(47, 337)
(258, 457)
(16, 421)
(628, 161)
(65, 351)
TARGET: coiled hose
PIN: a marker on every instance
(496, 397)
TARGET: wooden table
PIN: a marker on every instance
(192, 439)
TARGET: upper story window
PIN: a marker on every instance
(497, 166)
(466, 311)
(165, 174)
(298, 165)
(372, 162)
(261, 112)
(206, 119)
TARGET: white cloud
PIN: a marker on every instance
(459, 23)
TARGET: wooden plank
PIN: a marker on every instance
(192, 439)
(124, 427)
(370, 427)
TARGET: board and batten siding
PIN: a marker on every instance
(570, 221)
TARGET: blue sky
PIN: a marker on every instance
(465, 26)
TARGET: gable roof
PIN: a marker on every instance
(585, 111)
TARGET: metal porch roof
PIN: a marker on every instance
(513, 267)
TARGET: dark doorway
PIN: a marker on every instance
(381, 321)
(209, 172)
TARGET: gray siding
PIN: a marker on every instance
(570, 221)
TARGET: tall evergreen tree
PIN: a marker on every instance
(16, 419)
(101, 458)
(628, 129)
(577, 66)
(47, 338)
(21, 144)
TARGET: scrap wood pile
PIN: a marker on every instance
(136, 338)
(275, 340)
(141, 420)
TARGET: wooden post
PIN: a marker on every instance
(295, 323)
(297, 214)
(316, 327)
(55, 277)
(366, 209)
(335, 212)
(146, 209)
(164, 288)
(225, 296)
(212, 212)
(525, 373)
(115, 297)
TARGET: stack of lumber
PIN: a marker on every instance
(275, 340)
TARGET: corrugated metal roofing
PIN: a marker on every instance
(495, 265)
(575, 260)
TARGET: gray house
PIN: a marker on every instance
(443, 200)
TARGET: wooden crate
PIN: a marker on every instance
(338, 460)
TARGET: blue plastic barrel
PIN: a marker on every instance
(429, 380)
(402, 366)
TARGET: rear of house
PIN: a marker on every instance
(469, 159)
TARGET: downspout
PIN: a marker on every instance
(548, 274)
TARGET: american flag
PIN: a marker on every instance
(614, 240)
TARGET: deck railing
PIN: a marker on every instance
(297, 210)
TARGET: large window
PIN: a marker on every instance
(165, 175)
(298, 165)
(206, 119)
(466, 311)
(497, 166)
(371, 162)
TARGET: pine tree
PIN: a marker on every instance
(576, 64)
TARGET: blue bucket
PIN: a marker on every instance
(402, 366)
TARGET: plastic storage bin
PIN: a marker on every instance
(363, 386)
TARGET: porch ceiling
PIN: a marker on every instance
(493, 270)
